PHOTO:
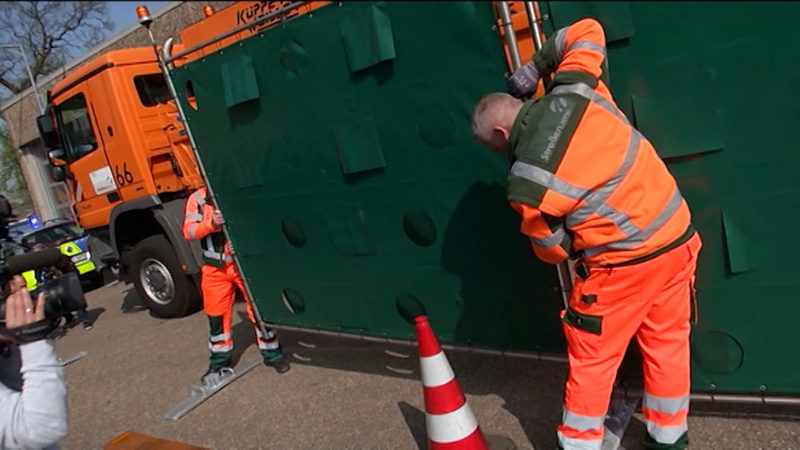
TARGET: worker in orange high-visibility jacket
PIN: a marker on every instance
(588, 185)
(219, 282)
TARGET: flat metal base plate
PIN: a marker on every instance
(71, 359)
(202, 393)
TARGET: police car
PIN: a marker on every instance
(62, 234)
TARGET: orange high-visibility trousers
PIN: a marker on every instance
(219, 293)
(652, 301)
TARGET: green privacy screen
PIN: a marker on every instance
(340, 150)
(338, 145)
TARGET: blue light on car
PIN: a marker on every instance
(34, 222)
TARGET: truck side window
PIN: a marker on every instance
(76, 128)
(152, 89)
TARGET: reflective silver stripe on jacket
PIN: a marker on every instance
(216, 255)
(587, 93)
(581, 423)
(554, 239)
(219, 337)
(632, 239)
(560, 38)
(193, 217)
(547, 179)
(192, 229)
(199, 199)
(589, 45)
(595, 201)
(209, 252)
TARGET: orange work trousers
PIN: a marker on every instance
(652, 301)
(219, 293)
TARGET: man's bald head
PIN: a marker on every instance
(493, 118)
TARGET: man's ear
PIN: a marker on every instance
(505, 132)
(499, 138)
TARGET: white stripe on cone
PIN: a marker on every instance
(435, 370)
(451, 427)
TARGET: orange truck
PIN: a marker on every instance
(118, 141)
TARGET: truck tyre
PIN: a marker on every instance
(161, 284)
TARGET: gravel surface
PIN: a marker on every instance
(340, 393)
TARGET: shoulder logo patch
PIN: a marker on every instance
(563, 107)
(558, 105)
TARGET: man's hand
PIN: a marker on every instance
(216, 219)
(19, 307)
(523, 82)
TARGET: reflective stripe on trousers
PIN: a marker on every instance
(220, 348)
(568, 443)
(271, 341)
(580, 432)
(665, 417)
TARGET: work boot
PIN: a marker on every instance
(281, 365)
(216, 376)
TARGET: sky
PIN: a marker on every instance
(124, 13)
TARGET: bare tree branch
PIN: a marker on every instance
(51, 32)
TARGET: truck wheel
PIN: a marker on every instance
(166, 290)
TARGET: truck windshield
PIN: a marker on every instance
(76, 129)
(152, 89)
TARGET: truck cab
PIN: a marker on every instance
(118, 141)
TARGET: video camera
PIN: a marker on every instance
(63, 294)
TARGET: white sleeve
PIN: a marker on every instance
(37, 416)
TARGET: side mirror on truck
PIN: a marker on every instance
(58, 173)
(46, 131)
(56, 157)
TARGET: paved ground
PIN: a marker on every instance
(340, 393)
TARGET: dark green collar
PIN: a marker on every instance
(519, 123)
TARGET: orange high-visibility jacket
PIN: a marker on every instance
(584, 180)
(197, 226)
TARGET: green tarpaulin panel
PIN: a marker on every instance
(358, 146)
(239, 81)
(418, 213)
(737, 243)
(367, 36)
(680, 125)
(756, 231)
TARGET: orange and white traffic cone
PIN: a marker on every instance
(448, 418)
